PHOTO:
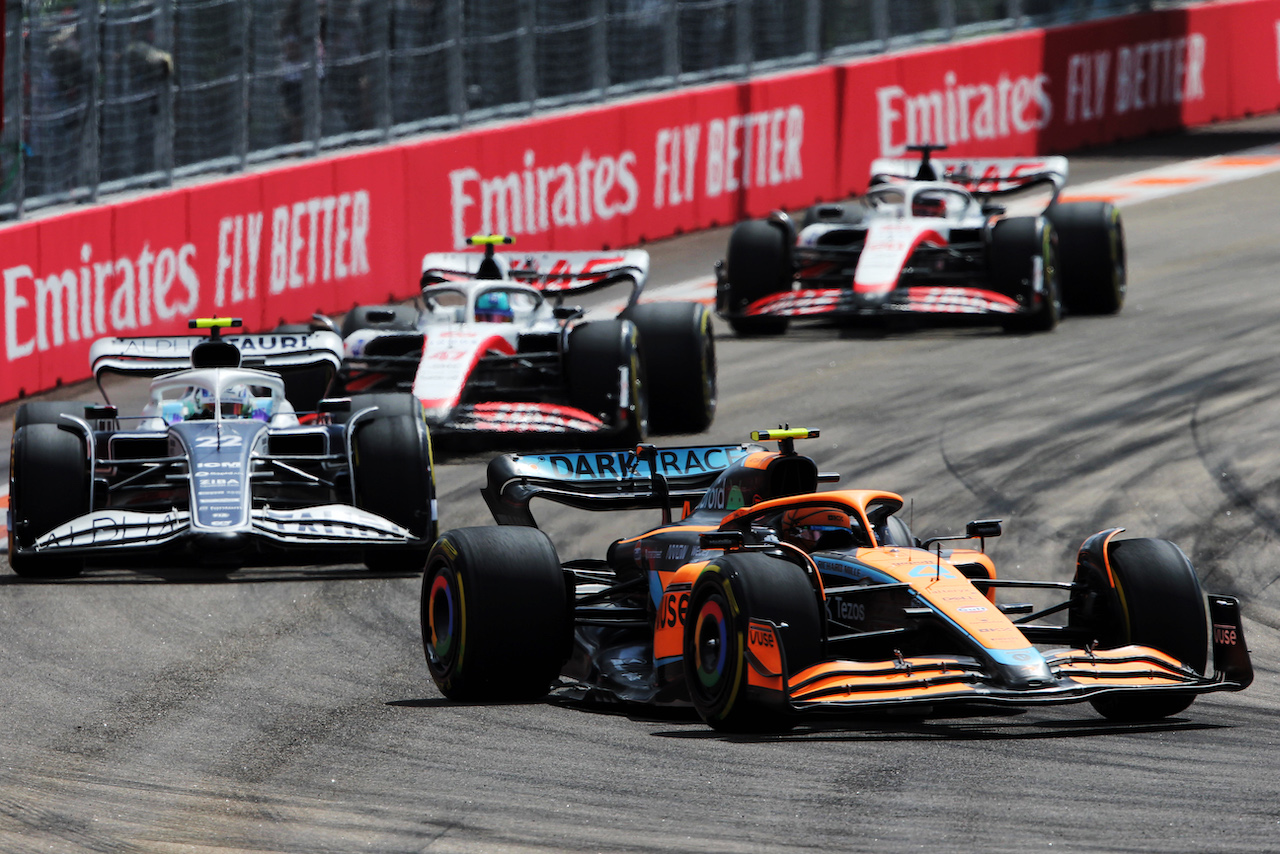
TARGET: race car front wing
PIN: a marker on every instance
(1018, 678)
(323, 525)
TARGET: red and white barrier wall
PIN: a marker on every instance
(326, 234)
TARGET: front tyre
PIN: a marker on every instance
(758, 265)
(495, 614)
(606, 377)
(48, 412)
(1023, 261)
(389, 403)
(728, 595)
(392, 468)
(49, 485)
(1091, 250)
(1156, 601)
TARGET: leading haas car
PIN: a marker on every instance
(494, 350)
(235, 458)
(931, 240)
(768, 601)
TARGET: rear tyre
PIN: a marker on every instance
(759, 264)
(606, 377)
(1156, 601)
(1091, 256)
(495, 613)
(404, 318)
(732, 591)
(679, 353)
(49, 485)
(1024, 249)
(391, 466)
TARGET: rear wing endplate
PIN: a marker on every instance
(603, 480)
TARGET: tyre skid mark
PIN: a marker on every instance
(1231, 483)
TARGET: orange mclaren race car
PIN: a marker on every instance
(769, 600)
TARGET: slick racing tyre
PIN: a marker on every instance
(403, 318)
(728, 595)
(1156, 601)
(758, 264)
(679, 352)
(1022, 247)
(49, 485)
(389, 403)
(48, 411)
(392, 470)
(1091, 256)
(606, 378)
(496, 614)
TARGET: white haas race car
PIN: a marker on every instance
(492, 349)
(221, 468)
(931, 239)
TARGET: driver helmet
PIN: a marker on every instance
(806, 527)
(494, 307)
(238, 401)
(198, 402)
(928, 205)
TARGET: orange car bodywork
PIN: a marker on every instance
(942, 579)
(901, 623)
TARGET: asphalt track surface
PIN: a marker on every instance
(291, 711)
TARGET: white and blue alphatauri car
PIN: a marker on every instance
(236, 458)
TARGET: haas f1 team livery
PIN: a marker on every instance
(236, 458)
(768, 601)
(931, 240)
(493, 350)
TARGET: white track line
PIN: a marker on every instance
(1164, 181)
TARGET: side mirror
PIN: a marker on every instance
(983, 528)
(726, 540)
(979, 529)
(566, 312)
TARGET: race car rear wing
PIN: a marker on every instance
(556, 274)
(604, 480)
(307, 361)
(155, 355)
(982, 177)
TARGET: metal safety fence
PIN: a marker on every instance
(104, 96)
